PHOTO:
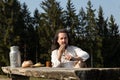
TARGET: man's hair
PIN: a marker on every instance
(55, 44)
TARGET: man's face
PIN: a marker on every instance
(62, 39)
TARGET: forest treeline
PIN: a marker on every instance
(94, 33)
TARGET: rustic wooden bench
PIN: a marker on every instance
(49, 73)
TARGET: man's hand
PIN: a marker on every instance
(68, 56)
(61, 50)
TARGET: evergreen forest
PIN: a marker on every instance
(94, 33)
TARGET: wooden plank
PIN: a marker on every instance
(67, 73)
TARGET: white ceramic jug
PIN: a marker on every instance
(15, 58)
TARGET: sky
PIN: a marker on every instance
(109, 6)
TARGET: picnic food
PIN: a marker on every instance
(28, 63)
(38, 64)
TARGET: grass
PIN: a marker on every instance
(5, 77)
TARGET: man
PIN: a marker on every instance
(64, 54)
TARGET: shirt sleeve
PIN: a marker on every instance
(54, 59)
(80, 53)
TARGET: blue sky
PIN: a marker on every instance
(109, 6)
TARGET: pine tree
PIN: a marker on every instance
(29, 34)
(9, 12)
(111, 44)
(37, 36)
(53, 14)
(113, 27)
(80, 31)
(50, 21)
(94, 40)
(101, 24)
(71, 21)
(82, 24)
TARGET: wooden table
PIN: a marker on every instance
(49, 73)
